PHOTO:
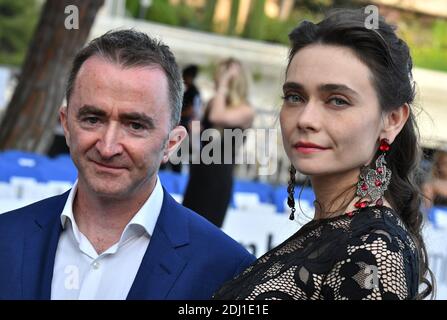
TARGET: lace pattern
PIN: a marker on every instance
(368, 256)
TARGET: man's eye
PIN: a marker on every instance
(91, 120)
(136, 126)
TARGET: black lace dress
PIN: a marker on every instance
(367, 255)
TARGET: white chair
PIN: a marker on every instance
(7, 191)
(440, 218)
(55, 188)
(245, 200)
(29, 189)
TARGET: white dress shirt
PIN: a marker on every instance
(80, 273)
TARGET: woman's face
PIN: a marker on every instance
(330, 119)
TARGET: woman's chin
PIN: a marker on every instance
(312, 171)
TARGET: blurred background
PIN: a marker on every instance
(38, 40)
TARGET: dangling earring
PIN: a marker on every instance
(291, 192)
(374, 182)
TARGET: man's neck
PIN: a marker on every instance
(103, 219)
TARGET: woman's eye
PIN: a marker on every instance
(338, 102)
(292, 98)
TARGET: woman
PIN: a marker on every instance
(435, 190)
(347, 123)
(211, 181)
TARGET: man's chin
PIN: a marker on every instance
(110, 191)
(115, 195)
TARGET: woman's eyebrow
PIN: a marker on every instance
(337, 87)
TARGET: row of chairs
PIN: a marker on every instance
(30, 175)
(25, 175)
(42, 169)
(245, 193)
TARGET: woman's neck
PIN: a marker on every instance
(334, 193)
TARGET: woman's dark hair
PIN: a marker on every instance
(389, 61)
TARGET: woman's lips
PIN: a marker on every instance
(307, 148)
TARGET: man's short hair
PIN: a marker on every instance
(131, 48)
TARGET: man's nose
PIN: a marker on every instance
(109, 145)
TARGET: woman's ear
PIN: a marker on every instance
(394, 121)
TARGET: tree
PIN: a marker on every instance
(17, 21)
(32, 112)
(254, 29)
(233, 17)
(210, 7)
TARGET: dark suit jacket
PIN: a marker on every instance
(187, 257)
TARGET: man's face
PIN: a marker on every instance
(117, 126)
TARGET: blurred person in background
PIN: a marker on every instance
(192, 104)
(210, 185)
(117, 234)
(191, 109)
(435, 189)
(347, 122)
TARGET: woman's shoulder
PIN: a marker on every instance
(378, 250)
(381, 224)
(378, 215)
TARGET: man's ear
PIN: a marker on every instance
(176, 137)
(394, 121)
(63, 115)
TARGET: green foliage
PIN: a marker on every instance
(430, 58)
(210, 6)
(427, 38)
(161, 11)
(233, 17)
(254, 28)
(188, 17)
(439, 34)
(133, 7)
(17, 21)
(276, 31)
(428, 43)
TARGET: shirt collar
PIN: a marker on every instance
(145, 219)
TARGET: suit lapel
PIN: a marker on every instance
(160, 268)
(162, 265)
(41, 239)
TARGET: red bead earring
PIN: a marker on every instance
(374, 182)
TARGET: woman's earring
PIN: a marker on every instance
(291, 192)
(374, 182)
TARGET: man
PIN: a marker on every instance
(117, 234)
